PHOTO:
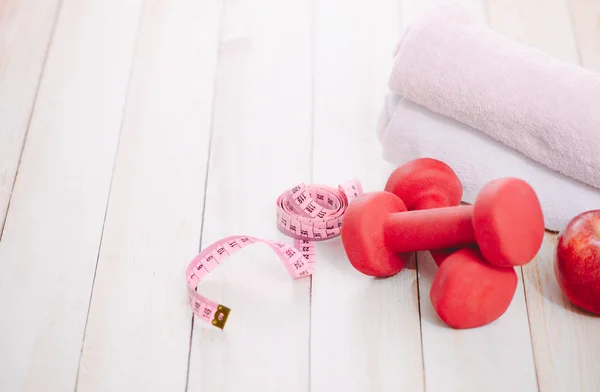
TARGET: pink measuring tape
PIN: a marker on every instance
(305, 213)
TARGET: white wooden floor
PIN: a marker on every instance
(135, 133)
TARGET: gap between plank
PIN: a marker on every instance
(33, 105)
(313, 67)
(535, 364)
(125, 104)
(420, 321)
(208, 156)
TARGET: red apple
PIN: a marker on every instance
(577, 261)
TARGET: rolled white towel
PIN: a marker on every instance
(452, 63)
(408, 131)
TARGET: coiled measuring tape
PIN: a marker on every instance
(305, 213)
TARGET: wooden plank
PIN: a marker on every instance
(138, 332)
(53, 228)
(542, 24)
(364, 331)
(453, 358)
(412, 9)
(25, 31)
(565, 339)
(586, 21)
(261, 146)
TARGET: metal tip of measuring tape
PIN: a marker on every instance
(221, 316)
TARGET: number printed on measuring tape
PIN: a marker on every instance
(211, 257)
(315, 212)
(305, 213)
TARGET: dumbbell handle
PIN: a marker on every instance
(436, 228)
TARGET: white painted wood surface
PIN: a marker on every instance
(138, 332)
(364, 331)
(260, 146)
(25, 30)
(53, 228)
(542, 24)
(585, 15)
(565, 339)
(162, 126)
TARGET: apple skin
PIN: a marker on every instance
(577, 261)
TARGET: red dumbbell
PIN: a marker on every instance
(506, 223)
(436, 185)
(423, 182)
(468, 292)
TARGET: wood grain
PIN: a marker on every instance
(231, 103)
(565, 338)
(25, 31)
(53, 228)
(261, 146)
(412, 9)
(542, 24)
(138, 333)
(586, 20)
(364, 331)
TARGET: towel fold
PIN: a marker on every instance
(408, 131)
(547, 109)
